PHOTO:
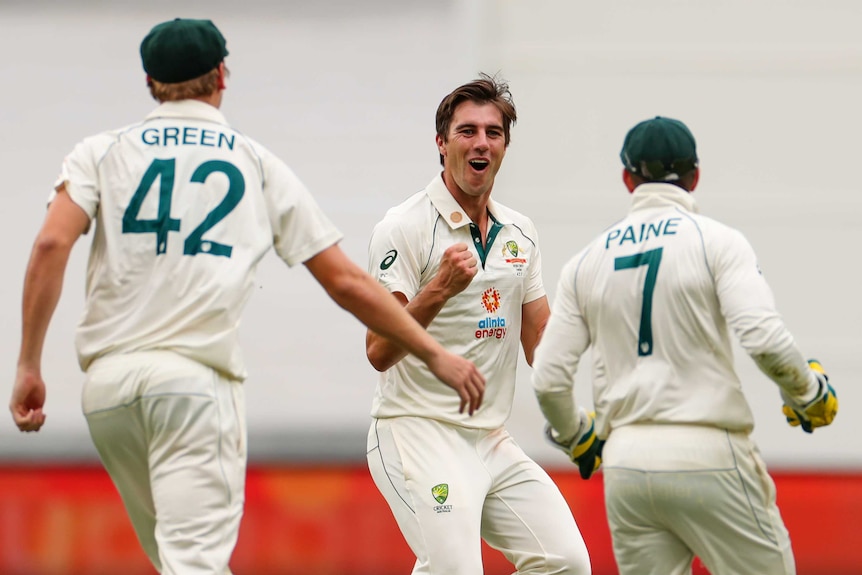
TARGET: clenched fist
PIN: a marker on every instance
(457, 269)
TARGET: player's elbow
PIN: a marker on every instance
(376, 352)
(377, 362)
(49, 244)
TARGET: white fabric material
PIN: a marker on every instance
(171, 433)
(216, 190)
(492, 488)
(675, 366)
(674, 492)
(482, 323)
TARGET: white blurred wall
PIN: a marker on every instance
(346, 93)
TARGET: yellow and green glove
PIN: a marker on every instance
(584, 451)
(820, 411)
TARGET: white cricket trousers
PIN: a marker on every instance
(171, 434)
(673, 492)
(449, 487)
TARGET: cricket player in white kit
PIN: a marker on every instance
(657, 296)
(469, 269)
(184, 209)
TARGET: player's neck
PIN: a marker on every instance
(213, 99)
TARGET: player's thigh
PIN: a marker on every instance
(643, 543)
(531, 524)
(118, 432)
(198, 464)
(430, 477)
(740, 529)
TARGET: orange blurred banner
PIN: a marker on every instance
(332, 521)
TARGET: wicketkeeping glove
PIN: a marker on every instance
(584, 451)
(821, 410)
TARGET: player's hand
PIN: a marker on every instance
(584, 450)
(462, 376)
(820, 411)
(457, 268)
(28, 398)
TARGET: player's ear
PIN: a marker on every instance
(629, 181)
(222, 75)
(695, 179)
(441, 144)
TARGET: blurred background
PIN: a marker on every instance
(346, 91)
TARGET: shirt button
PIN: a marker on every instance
(476, 240)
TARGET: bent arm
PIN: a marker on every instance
(457, 268)
(749, 308)
(383, 352)
(564, 341)
(357, 292)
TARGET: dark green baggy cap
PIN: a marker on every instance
(660, 149)
(182, 49)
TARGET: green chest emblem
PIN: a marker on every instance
(440, 492)
(512, 248)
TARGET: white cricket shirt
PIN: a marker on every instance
(656, 295)
(185, 208)
(482, 323)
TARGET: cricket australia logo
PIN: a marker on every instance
(440, 493)
(491, 326)
(512, 247)
(511, 251)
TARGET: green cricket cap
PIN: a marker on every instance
(660, 149)
(182, 49)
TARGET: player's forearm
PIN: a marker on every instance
(383, 352)
(769, 343)
(370, 303)
(43, 284)
(561, 413)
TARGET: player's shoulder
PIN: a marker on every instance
(509, 216)
(414, 209)
(507, 213)
(410, 218)
(714, 230)
(95, 147)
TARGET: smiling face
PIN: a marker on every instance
(473, 149)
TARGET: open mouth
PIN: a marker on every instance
(479, 165)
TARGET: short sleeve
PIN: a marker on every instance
(392, 259)
(79, 176)
(534, 287)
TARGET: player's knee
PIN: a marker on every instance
(574, 561)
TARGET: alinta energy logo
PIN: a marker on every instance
(491, 326)
(440, 493)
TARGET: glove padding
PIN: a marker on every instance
(585, 451)
(820, 411)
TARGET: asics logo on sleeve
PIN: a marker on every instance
(390, 258)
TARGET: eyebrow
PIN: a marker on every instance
(474, 125)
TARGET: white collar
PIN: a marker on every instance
(658, 194)
(188, 109)
(451, 211)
